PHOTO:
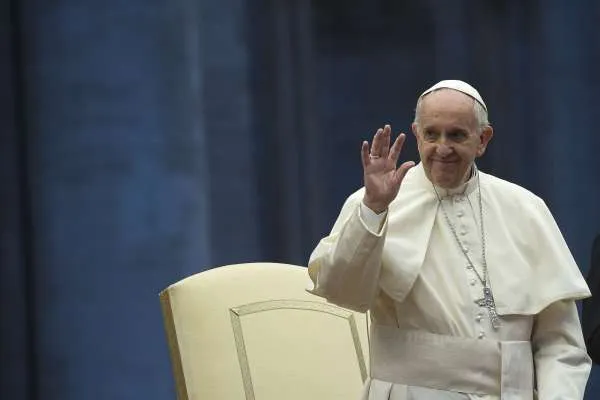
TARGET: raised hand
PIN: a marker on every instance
(381, 177)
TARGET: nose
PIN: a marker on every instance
(443, 150)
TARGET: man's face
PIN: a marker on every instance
(448, 137)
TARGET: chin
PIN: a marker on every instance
(444, 179)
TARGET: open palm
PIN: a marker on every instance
(382, 179)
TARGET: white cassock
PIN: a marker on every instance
(430, 339)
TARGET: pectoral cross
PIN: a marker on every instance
(488, 302)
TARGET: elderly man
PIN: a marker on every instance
(470, 286)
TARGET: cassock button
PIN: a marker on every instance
(481, 335)
(473, 282)
(469, 267)
(460, 213)
(463, 233)
(478, 318)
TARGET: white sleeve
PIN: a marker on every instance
(372, 221)
(345, 266)
(562, 364)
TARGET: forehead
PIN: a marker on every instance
(447, 106)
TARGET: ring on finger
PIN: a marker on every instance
(373, 157)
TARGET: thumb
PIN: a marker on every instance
(402, 170)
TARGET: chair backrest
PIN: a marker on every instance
(251, 331)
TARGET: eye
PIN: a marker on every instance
(457, 135)
(430, 136)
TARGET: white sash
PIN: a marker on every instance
(466, 365)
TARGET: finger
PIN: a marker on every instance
(376, 145)
(397, 147)
(385, 145)
(401, 172)
(364, 154)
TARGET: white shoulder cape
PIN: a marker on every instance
(529, 263)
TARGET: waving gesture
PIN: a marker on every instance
(381, 177)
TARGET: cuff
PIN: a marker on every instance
(371, 220)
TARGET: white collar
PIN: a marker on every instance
(465, 188)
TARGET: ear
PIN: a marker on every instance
(485, 137)
(414, 129)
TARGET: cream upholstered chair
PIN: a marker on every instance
(251, 331)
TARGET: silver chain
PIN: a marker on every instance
(484, 280)
(487, 300)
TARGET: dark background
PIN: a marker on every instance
(143, 141)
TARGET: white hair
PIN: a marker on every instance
(481, 114)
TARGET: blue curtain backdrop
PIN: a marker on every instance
(144, 141)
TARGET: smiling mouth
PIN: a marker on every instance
(444, 161)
